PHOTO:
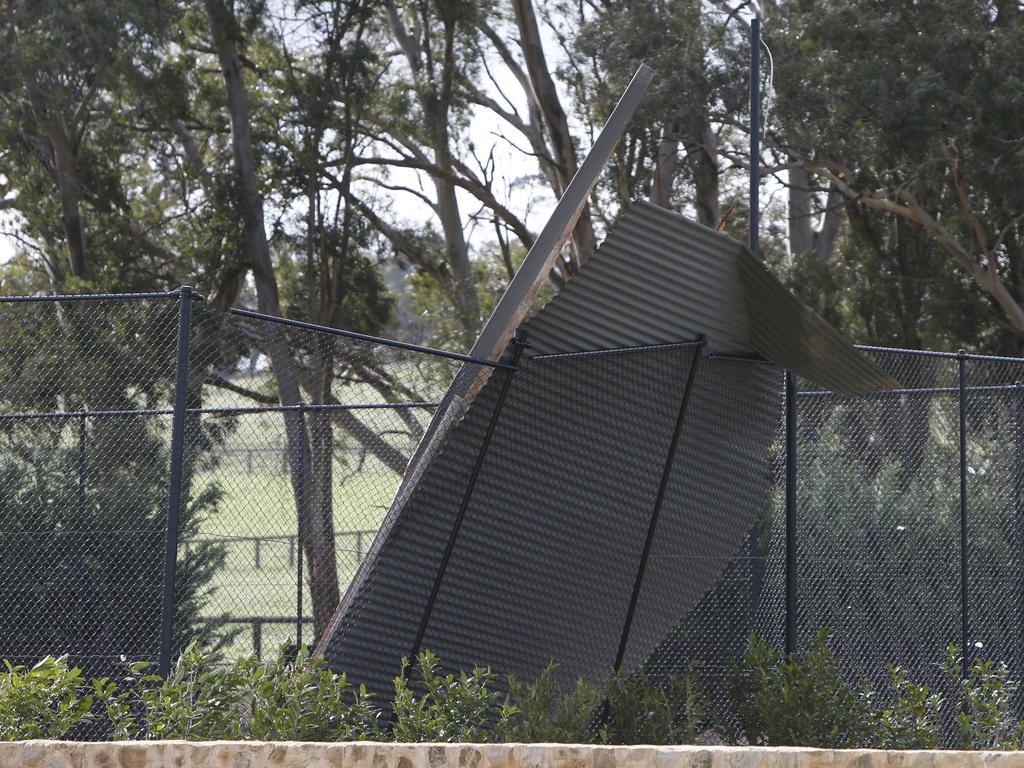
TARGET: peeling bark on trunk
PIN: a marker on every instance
(803, 238)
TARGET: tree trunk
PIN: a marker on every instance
(705, 170)
(324, 589)
(563, 148)
(467, 306)
(666, 161)
(801, 205)
(70, 205)
(65, 168)
(803, 238)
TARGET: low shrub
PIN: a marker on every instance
(776, 699)
(984, 719)
(642, 712)
(463, 707)
(297, 699)
(911, 719)
(45, 701)
(786, 699)
(545, 711)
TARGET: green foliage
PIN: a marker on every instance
(303, 700)
(642, 712)
(463, 707)
(45, 701)
(293, 699)
(873, 88)
(912, 718)
(776, 699)
(196, 701)
(492, 271)
(985, 719)
(544, 711)
(793, 701)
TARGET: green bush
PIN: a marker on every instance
(642, 712)
(298, 699)
(305, 700)
(463, 707)
(781, 699)
(777, 699)
(912, 718)
(984, 719)
(45, 701)
(544, 711)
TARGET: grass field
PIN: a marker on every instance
(257, 503)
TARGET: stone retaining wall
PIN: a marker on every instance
(248, 754)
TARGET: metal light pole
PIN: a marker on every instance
(755, 132)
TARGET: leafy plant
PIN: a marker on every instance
(463, 707)
(544, 711)
(293, 697)
(985, 720)
(911, 720)
(45, 701)
(304, 700)
(786, 700)
(642, 712)
(196, 701)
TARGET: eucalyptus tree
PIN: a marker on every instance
(691, 130)
(70, 75)
(912, 112)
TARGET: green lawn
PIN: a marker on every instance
(257, 502)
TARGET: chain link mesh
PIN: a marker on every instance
(84, 429)
(86, 404)
(878, 531)
(296, 441)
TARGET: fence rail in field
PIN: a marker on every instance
(360, 538)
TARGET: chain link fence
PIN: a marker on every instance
(903, 530)
(905, 534)
(225, 489)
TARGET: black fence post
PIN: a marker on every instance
(652, 524)
(85, 526)
(301, 499)
(791, 510)
(177, 465)
(964, 585)
(519, 343)
(1017, 513)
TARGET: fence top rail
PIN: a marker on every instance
(371, 339)
(971, 390)
(700, 342)
(934, 353)
(57, 297)
(251, 409)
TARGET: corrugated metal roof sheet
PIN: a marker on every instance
(660, 277)
(543, 567)
(544, 564)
